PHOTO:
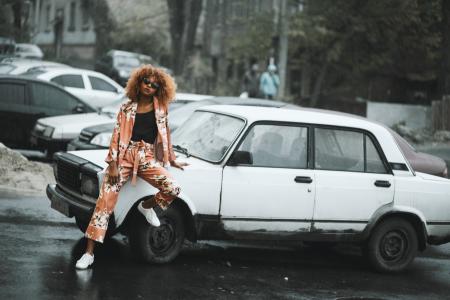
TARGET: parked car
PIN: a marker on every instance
(118, 64)
(274, 174)
(93, 87)
(69, 127)
(24, 100)
(18, 66)
(99, 137)
(28, 51)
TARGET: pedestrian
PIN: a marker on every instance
(140, 146)
(269, 82)
(251, 81)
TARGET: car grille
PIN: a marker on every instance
(69, 175)
(86, 136)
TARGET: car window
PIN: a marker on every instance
(341, 150)
(12, 93)
(52, 98)
(278, 146)
(101, 85)
(71, 80)
(208, 135)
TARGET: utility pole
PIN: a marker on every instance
(283, 46)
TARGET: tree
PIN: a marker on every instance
(183, 18)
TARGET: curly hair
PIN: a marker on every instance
(166, 92)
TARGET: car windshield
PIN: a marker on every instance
(126, 61)
(207, 135)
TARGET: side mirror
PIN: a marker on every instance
(240, 157)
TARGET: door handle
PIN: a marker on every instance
(303, 179)
(382, 183)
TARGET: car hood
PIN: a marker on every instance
(432, 177)
(83, 120)
(98, 157)
(426, 163)
(70, 126)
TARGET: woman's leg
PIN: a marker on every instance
(106, 202)
(161, 179)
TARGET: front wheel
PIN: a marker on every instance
(158, 244)
(392, 246)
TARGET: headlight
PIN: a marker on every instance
(102, 139)
(48, 131)
(89, 185)
(124, 74)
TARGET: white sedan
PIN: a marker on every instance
(93, 87)
(275, 174)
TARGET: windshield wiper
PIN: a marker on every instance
(182, 150)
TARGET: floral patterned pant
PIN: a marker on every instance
(139, 155)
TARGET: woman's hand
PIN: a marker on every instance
(113, 173)
(178, 165)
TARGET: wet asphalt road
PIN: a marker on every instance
(39, 247)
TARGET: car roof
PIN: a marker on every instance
(64, 70)
(303, 114)
(19, 62)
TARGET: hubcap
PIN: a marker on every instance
(393, 245)
(162, 237)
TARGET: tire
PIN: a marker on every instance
(157, 244)
(392, 245)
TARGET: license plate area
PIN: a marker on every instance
(60, 206)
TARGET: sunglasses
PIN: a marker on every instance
(153, 85)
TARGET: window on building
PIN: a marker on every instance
(72, 22)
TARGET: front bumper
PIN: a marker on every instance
(68, 205)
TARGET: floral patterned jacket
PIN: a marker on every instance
(124, 128)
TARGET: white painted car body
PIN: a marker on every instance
(96, 96)
(264, 201)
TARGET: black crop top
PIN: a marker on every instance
(145, 127)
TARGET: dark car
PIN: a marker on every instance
(118, 64)
(98, 137)
(24, 100)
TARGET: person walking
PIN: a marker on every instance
(251, 81)
(269, 82)
(140, 146)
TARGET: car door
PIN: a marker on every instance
(48, 100)
(275, 194)
(15, 120)
(353, 179)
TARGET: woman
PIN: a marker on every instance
(140, 143)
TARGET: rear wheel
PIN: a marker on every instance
(158, 244)
(392, 245)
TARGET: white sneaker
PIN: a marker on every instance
(85, 261)
(149, 214)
